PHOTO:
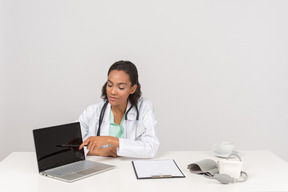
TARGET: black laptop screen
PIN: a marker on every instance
(58, 145)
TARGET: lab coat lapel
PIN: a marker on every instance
(106, 122)
(132, 113)
(133, 128)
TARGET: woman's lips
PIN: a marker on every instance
(113, 98)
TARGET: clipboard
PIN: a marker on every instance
(156, 169)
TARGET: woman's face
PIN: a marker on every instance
(119, 88)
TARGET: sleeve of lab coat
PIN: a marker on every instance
(146, 144)
(85, 121)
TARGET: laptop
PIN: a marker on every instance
(58, 154)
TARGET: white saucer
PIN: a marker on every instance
(224, 156)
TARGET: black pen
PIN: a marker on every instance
(64, 145)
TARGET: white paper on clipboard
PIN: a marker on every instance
(148, 169)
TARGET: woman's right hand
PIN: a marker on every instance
(101, 145)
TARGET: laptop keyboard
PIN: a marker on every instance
(71, 168)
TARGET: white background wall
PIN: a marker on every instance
(214, 70)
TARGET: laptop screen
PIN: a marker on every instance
(58, 145)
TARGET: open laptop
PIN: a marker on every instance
(58, 155)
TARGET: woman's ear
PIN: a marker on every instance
(133, 89)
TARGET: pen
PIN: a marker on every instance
(64, 145)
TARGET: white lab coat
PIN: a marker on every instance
(139, 136)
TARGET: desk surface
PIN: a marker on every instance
(267, 172)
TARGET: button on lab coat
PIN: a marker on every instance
(139, 140)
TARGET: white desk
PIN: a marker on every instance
(267, 172)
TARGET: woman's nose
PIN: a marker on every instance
(114, 91)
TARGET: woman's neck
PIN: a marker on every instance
(118, 112)
(119, 109)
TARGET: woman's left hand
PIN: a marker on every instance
(110, 151)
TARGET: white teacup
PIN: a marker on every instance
(223, 149)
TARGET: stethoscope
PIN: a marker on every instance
(103, 112)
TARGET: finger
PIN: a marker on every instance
(104, 152)
(86, 142)
(89, 146)
(114, 152)
(92, 146)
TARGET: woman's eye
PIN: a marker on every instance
(121, 88)
(109, 85)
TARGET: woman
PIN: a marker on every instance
(126, 120)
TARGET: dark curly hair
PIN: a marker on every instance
(129, 68)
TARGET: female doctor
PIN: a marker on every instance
(123, 124)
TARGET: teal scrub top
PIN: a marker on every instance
(116, 130)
